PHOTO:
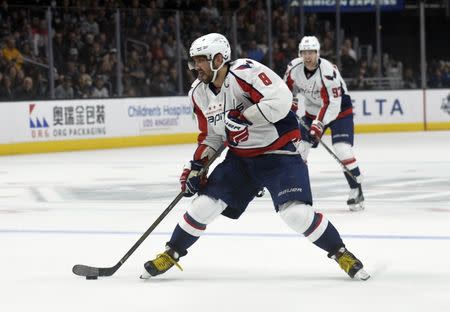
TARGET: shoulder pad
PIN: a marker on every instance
(195, 87)
(243, 64)
(295, 62)
(329, 70)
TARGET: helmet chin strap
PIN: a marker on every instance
(215, 71)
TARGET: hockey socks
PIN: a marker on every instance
(352, 183)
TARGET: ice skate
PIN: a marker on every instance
(355, 200)
(350, 264)
(161, 264)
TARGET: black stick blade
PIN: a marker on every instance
(84, 270)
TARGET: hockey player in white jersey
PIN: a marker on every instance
(246, 106)
(327, 105)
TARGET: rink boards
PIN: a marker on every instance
(50, 126)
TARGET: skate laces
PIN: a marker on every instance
(164, 261)
(346, 261)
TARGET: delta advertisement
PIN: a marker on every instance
(388, 107)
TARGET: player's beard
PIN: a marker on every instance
(205, 77)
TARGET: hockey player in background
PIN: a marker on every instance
(245, 105)
(327, 104)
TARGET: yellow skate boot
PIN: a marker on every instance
(161, 263)
(350, 264)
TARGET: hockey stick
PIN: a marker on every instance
(94, 272)
(304, 125)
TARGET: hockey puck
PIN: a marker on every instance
(91, 277)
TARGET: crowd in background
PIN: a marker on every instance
(85, 54)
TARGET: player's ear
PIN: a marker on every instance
(218, 60)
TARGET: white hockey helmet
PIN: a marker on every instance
(309, 43)
(210, 45)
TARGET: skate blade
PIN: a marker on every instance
(145, 275)
(362, 275)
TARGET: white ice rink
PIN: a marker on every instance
(57, 210)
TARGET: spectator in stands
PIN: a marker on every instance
(165, 85)
(445, 74)
(157, 50)
(89, 25)
(11, 54)
(41, 85)
(3, 62)
(64, 90)
(84, 87)
(11, 72)
(26, 91)
(39, 34)
(349, 49)
(348, 63)
(173, 80)
(59, 51)
(251, 34)
(99, 90)
(327, 50)
(6, 91)
(254, 52)
(312, 26)
(409, 81)
(73, 55)
(435, 80)
(360, 81)
(373, 69)
(135, 71)
(106, 67)
(280, 60)
(210, 9)
(170, 47)
(71, 70)
(87, 48)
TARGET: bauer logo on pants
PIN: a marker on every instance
(291, 190)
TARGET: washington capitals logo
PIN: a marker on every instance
(248, 64)
(331, 77)
(36, 122)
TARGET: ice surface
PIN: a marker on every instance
(57, 210)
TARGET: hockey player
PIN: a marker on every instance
(245, 105)
(327, 105)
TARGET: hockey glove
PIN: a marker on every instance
(236, 127)
(316, 129)
(190, 180)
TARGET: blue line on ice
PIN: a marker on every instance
(272, 235)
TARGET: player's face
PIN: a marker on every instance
(201, 65)
(310, 59)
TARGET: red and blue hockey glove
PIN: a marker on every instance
(190, 180)
(316, 129)
(236, 127)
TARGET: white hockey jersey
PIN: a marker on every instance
(325, 92)
(261, 95)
